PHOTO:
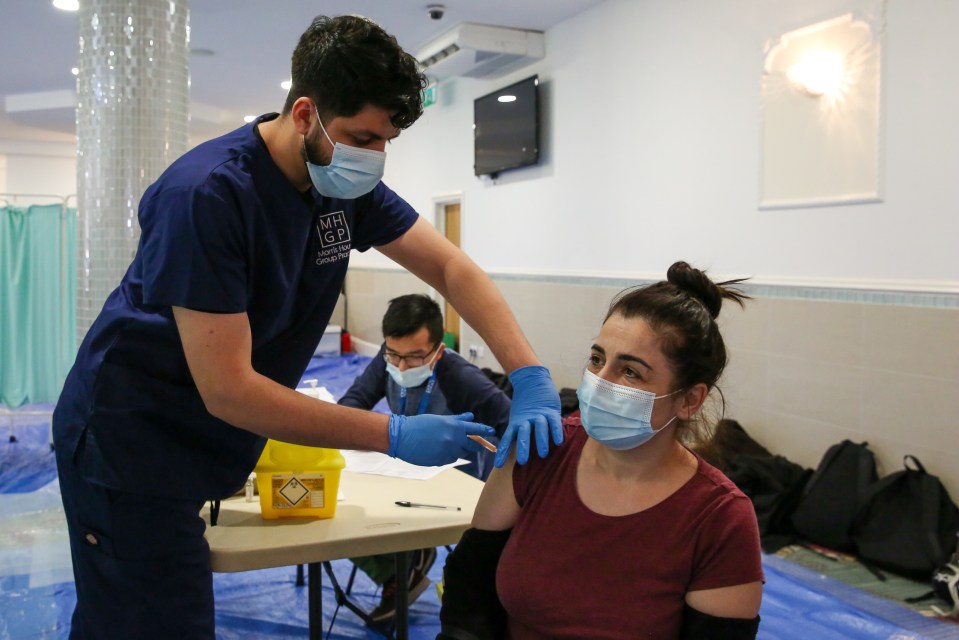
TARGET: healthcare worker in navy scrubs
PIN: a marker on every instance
(192, 362)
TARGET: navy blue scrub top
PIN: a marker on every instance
(222, 231)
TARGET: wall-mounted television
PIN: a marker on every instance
(506, 128)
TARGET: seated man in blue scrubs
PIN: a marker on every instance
(193, 360)
(417, 375)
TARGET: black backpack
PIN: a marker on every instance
(834, 494)
(774, 485)
(908, 523)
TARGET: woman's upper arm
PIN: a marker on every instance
(497, 508)
(728, 579)
(738, 601)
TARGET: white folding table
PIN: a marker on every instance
(367, 522)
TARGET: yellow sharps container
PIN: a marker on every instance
(294, 480)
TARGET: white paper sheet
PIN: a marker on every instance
(380, 464)
(320, 393)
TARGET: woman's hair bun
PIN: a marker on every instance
(698, 285)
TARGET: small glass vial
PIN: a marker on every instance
(249, 487)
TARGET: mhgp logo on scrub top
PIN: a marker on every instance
(333, 229)
(334, 235)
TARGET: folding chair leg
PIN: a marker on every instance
(342, 599)
(349, 585)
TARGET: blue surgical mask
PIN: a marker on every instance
(352, 171)
(412, 377)
(617, 416)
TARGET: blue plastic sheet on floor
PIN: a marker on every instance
(37, 596)
(336, 374)
(25, 449)
(40, 613)
(267, 603)
(799, 604)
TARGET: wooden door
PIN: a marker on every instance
(451, 225)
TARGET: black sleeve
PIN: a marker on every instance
(369, 387)
(467, 388)
(702, 626)
(471, 609)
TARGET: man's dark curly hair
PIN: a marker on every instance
(408, 314)
(345, 63)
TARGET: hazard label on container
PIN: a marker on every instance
(299, 491)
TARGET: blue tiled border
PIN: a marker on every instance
(862, 296)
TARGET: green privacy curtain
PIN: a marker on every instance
(37, 302)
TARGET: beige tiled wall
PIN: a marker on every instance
(560, 319)
(367, 294)
(803, 375)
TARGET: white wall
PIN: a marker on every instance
(651, 153)
(38, 168)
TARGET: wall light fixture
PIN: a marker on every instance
(819, 73)
(821, 112)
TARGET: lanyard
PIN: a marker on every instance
(424, 401)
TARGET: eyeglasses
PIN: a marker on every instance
(412, 360)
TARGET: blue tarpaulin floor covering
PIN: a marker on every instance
(37, 594)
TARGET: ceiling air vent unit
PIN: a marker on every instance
(480, 51)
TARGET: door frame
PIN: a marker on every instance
(440, 203)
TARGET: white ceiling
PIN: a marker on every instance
(247, 45)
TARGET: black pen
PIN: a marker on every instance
(405, 503)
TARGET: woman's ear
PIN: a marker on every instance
(692, 401)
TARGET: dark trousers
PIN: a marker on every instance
(141, 564)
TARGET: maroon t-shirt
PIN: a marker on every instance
(568, 572)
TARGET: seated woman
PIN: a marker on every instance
(621, 532)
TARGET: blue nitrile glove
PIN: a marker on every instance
(535, 405)
(430, 440)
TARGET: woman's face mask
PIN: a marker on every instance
(352, 171)
(617, 416)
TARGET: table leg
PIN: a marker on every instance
(401, 617)
(315, 594)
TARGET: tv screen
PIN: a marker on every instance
(506, 128)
